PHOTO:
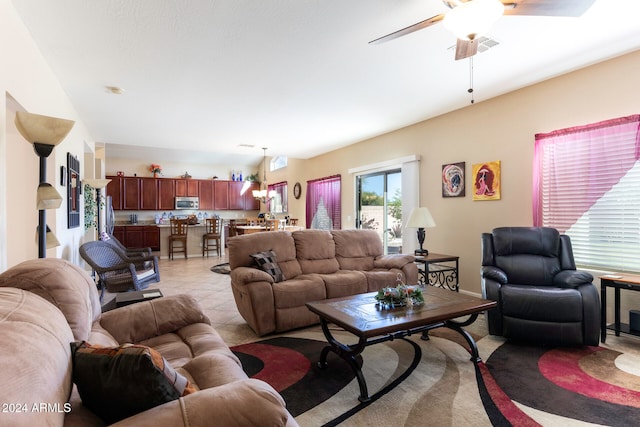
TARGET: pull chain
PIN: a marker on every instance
(470, 90)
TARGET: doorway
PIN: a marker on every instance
(379, 207)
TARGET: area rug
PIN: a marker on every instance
(221, 268)
(416, 383)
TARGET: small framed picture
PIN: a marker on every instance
(487, 183)
(453, 180)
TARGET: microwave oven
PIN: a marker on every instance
(187, 203)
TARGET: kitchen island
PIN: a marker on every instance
(194, 240)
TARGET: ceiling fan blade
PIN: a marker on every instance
(408, 30)
(573, 8)
(466, 48)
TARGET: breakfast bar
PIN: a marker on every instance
(194, 240)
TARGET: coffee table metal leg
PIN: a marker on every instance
(457, 326)
(349, 354)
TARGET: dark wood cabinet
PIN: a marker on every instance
(118, 233)
(236, 200)
(149, 194)
(138, 236)
(152, 237)
(205, 193)
(166, 193)
(187, 187)
(131, 193)
(221, 195)
(114, 190)
(250, 202)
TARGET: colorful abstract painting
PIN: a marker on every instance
(453, 180)
(486, 180)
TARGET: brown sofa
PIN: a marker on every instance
(46, 304)
(316, 265)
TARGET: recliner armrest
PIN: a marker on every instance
(572, 278)
(243, 275)
(493, 273)
(138, 322)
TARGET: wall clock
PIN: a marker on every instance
(297, 190)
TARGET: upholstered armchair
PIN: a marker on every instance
(542, 298)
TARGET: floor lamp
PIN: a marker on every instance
(421, 218)
(98, 184)
(44, 133)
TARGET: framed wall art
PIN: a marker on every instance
(453, 180)
(486, 179)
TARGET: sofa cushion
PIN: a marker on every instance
(117, 382)
(316, 251)
(343, 283)
(357, 249)
(296, 292)
(268, 261)
(281, 242)
(35, 359)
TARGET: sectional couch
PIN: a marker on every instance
(315, 265)
(47, 304)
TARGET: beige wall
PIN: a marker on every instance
(28, 84)
(499, 129)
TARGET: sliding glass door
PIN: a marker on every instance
(379, 200)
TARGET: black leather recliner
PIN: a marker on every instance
(542, 298)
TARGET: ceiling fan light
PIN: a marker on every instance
(473, 18)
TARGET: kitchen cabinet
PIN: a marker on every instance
(149, 194)
(187, 187)
(205, 193)
(250, 202)
(166, 193)
(138, 236)
(131, 193)
(236, 200)
(114, 190)
(221, 195)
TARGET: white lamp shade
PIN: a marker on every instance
(97, 183)
(52, 240)
(473, 19)
(42, 129)
(48, 197)
(420, 218)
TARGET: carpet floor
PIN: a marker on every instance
(418, 383)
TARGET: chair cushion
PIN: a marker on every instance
(118, 382)
(267, 261)
(543, 304)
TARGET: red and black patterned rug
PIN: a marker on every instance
(413, 380)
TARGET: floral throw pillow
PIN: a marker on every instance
(267, 261)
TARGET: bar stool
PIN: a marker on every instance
(212, 236)
(179, 229)
(271, 225)
(233, 231)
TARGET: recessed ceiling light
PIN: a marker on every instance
(114, 90)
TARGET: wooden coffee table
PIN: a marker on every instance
(359, 315)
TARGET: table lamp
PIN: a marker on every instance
(420, 218)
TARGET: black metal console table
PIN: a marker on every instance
(438, 270)
(617, 282)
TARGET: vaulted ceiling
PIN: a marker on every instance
(219, 79)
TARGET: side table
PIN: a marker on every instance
(125, 298)
(617, 282)
(438, 270)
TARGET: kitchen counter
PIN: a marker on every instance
(194, 241)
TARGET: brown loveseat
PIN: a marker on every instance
(46, 304)
(316, 265)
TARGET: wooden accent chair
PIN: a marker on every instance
(179, 229)
(212, 237)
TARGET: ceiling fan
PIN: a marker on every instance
(470, 19)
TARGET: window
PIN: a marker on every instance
(278, 162)
(323, 207)
(279, 203)
(586, 184)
